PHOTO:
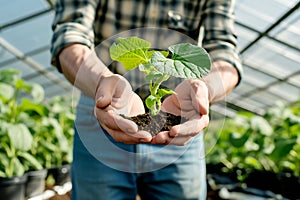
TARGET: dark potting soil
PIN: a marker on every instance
(154, 124)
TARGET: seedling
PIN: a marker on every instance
(185, 61)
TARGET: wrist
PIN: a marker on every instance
(221, 80)
(82, 68)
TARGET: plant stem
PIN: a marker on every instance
(154, 87)
(158, 83)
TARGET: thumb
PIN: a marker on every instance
(103, 101)
(104, 93)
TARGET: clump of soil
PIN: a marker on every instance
(154, 124)
(163, 121)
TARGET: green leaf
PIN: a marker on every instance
(9, 76)
(283, 148)
(131, 52)
(260, 124)
(20, 136)
(34, 163)
(37, 93)
(249, 160)
(6, 91)
(150, 101)
(4, 160)
(49, 146)
(153, 76)
(2, 173)
(239, 140)
(18, 168)
(164, 91)
(188, 61)
(23, 85)
(164, 53)
(27, 105)
(63, 142)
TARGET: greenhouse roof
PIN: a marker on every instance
(269, 43)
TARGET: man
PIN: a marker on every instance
(116, 160)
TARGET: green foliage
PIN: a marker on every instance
(187, 61)
(26, 123)
(270, 142)
(54, 134)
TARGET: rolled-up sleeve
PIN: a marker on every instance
(219, 36)
(73, 23)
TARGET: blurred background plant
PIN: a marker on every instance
(35, 133)
(250, 142)
(258, 151)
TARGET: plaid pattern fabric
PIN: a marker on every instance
(90, 22)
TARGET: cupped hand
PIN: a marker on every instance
(114, 96)
(191, 102)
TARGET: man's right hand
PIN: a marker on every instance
(113, 93)
(114, 97)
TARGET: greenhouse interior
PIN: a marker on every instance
(252, 142)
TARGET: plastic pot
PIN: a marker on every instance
(35, 184)
(60, 174)
(13, 188)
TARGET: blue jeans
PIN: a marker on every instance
(108, 170)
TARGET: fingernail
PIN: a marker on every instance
(144, 140)
(99, 99)
(130, 130)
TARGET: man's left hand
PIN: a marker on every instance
(191, 101)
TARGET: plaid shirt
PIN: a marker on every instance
(90, 22)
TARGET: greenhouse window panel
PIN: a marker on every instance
(30, 35)
(245, 36)
(21, 66)
(43, 58)
(256, 77)
(273, 58)
(222, 109)
(243, 89)
(5, 55)
(17, 9)
(260, 99)
(289, 31)
(295, 80)
(54, 90)
(247, 104)
(10, 58)
(257, 13)
(62, 83)
(250, 90)
(286, 91)
(266, 98)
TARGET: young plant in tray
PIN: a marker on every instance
(182, 60)
(19, 106)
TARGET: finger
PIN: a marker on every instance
(200, 97)
(120, 136)
(122, 86)
(171, 105)
(190, 128)
(136, 106)
(114, 121)
(111, 89)
(163, 138)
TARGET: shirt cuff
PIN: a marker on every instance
(66, 35)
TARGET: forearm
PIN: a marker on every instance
(82, 68)
(221, 80)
